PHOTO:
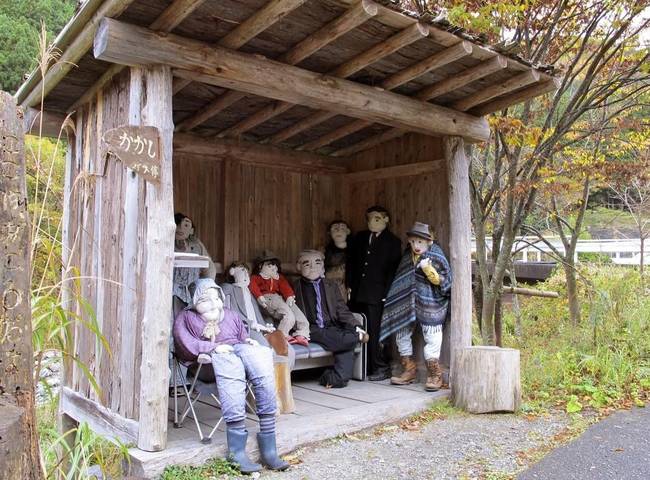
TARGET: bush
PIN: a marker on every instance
(604, 362)
(594, 257)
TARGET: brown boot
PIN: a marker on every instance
(408, 374)
(434, 376)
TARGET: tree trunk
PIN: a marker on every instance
(19, 456)
(498, 322)
(572, 290)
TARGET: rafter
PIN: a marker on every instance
(169, 19)
(119, 42)
(465, 77)
(351, 19)
(436, 60)
(517, 97)
(493, 91)
(401, 39)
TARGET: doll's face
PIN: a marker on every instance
(269, 269)
(184, 229)
(339, 232)
(311, 266)
(377, 221)
(210, 305)
(240, 274)
(419, 245)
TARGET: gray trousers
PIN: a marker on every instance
(289, 317)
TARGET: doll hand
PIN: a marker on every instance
(252, 342)
(265, 328)
(224, 349)
(262, 301)
(291, 301)
(424, 263)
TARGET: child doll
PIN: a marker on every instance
(274, 294)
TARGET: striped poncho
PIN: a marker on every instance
(412, 297)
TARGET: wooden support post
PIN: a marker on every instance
(460, 233)
(19, 457)
(159, 256)
(487, 380)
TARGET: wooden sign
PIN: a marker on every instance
(138, 148)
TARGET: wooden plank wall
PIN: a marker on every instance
(94, 244)
(421, 198)
(273, 208)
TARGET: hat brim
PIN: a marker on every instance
(421, 235)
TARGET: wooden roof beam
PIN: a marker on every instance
(447, 85)
(430, 63)
(401, 39)
(119, 42)
(497, 90)
(169, 19)
(271, 13)
(330, 32)
(255, 154)
(517, 97)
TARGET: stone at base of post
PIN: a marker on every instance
(487, 379)
(283, 391)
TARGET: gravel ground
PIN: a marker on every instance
(459, 446)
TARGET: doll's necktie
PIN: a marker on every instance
(319, 308)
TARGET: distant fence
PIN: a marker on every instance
(620, 251)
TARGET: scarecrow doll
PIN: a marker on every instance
(418, 295)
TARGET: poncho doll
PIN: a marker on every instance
(336, 255)
(185, 241)
(206, 327)
(419, 295)
(274, 294)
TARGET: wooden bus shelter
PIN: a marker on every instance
(274, 118)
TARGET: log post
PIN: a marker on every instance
(19, 457)
(487, 380)
(459, 248)
(156, 101)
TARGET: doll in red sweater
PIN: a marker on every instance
(276, 297)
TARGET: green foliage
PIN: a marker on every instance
(70, 454)
(594, 257)
(19, 35)
(212, 469)
(604, 362)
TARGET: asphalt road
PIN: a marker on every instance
(617, 448)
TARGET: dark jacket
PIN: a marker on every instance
(338, 310)
(371, 268)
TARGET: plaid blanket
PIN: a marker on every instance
(412, 297)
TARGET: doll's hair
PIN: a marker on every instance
(236, 264)
(179, 217)
(259, 263)
(378, 209)
(334, 222)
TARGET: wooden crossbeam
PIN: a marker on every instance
(436, 60)
(169, 19)
(401, 39)
(486, 94)
(255, 154)
(272, 12)
(447, 85)
(396, 171)
(520, 96)
(351, 19)
(119, 42)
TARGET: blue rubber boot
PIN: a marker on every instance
(237, 451)
(269, 453)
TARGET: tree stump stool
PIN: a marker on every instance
(283, 391)
(486, 379)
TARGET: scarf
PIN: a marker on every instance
(412, 297)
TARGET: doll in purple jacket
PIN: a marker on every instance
(206, 327)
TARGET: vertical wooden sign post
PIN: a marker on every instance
(19, 458)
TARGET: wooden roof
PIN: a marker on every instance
(364, 42)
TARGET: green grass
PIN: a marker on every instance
(602, 363)
(217, 467)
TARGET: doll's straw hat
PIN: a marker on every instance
(266, 256)
(420, 230)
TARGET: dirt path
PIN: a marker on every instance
(458, 446)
